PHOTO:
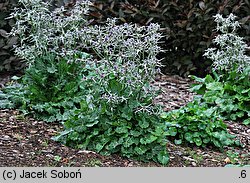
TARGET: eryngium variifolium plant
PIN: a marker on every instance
(230, 55)
(127, 52)
(227, 90)
(104, 100)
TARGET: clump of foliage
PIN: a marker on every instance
(228, 90)
(197, 124)
(13, 95)
(53, 87)
(94, 79)
(226, 96)
(230, 98)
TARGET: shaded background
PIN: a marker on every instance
(188, 28)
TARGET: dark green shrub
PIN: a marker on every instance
(8, 61)
(187, 25)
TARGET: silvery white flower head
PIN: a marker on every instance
(225, 24)
(42, 31)
(231, 53)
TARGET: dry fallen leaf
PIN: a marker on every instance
(33, 131)
(227, 160)
(65, 160)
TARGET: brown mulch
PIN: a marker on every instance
(25, 141)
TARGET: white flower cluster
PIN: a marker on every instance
(127, 52)
(42, 31)
(231, 53)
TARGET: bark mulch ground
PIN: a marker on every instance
(24, 141)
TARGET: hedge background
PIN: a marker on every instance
(188, 27)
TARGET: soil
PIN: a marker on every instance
(25, 141)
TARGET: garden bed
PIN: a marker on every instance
(25, 141)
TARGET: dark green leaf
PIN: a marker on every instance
(178, 142)
(188, 137)
(92, 124)
(163, 157)
(121, 130)
(198, 141)
(172, 131)
(143, 123)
